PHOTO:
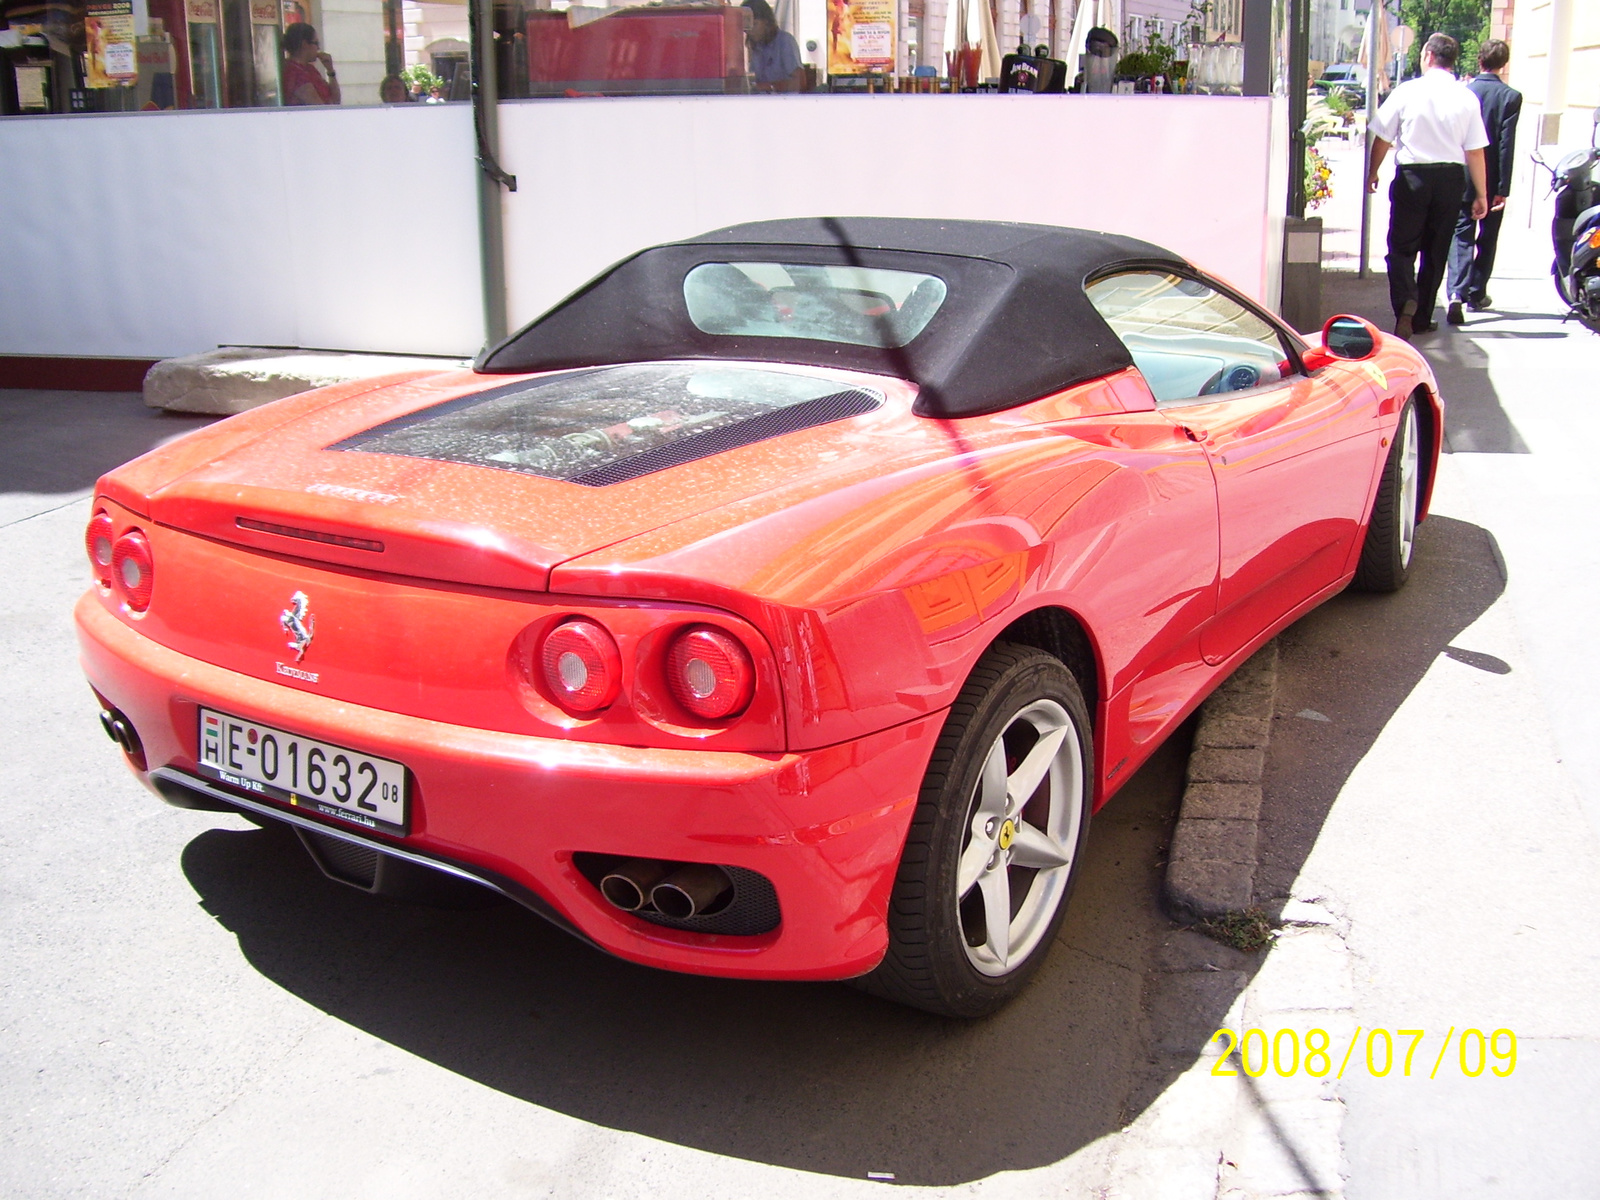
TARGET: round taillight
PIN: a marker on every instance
(132, 569)
(98, 541)
(710, 673)
(581, 665)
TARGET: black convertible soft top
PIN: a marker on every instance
(1015, 326)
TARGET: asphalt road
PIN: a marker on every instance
(188, 1008)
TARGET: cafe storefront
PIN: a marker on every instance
(164, 199)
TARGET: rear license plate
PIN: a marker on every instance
(304, 772)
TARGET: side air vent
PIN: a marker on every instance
(822, 411)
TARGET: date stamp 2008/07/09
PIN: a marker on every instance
(1286, 1053)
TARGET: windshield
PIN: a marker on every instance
(861, 306)
(603, 426)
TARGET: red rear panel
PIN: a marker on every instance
(424, 648)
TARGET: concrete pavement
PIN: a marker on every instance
(1434, 778)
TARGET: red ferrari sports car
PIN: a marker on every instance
(779, 605)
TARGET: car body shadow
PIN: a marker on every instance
(819, 1077)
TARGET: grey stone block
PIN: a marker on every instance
(1249, 691)
(235, 379)
(1198, 887)
(1263, 663)
(1214, 765)
(1222, 730)
(1219, 841)
(1222, 801)
(1242, 702)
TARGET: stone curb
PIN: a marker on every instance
(236, 378)
(1211, 868)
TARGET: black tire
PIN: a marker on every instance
(1014, 693)
(1391, 532)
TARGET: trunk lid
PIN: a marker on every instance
(396, 481)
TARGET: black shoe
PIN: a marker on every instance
(1403, 327)
(1454, 314)
(1419, 327)
(1479, 303)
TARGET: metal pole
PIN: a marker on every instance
(486, 133)
(1258, 47)
(1377, 14)
(1299, 84)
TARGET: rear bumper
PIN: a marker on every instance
(825, 826)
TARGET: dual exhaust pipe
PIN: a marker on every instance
(674, 890)
(121, 731)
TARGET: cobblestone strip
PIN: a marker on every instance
(1212, 867)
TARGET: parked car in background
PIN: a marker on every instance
(1350, 78)
(780, 605)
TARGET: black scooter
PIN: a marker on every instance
(1575, 231)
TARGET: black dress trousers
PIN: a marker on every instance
(1424, 202)
(1472, 252)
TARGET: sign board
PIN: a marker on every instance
(861, 36)
(109, 42)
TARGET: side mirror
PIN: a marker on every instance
(1349, 338)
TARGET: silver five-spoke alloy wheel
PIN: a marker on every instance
(1410, 477)
(1021, 837)
(997, 837)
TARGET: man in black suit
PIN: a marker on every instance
(1472, 250)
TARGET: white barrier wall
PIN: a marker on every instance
(154, 235)
(149, 235)
(598, 179)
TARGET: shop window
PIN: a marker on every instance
(137, 55)
(125, 55)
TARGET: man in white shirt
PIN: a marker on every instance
(1436, 128)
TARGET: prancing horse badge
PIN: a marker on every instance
(299, 624)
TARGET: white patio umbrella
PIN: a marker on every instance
(1087, 19)
(1377, 19)
(931, 51)
(787, 13)
(988, 41)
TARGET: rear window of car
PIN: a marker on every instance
(602, 426)
(860, 306)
